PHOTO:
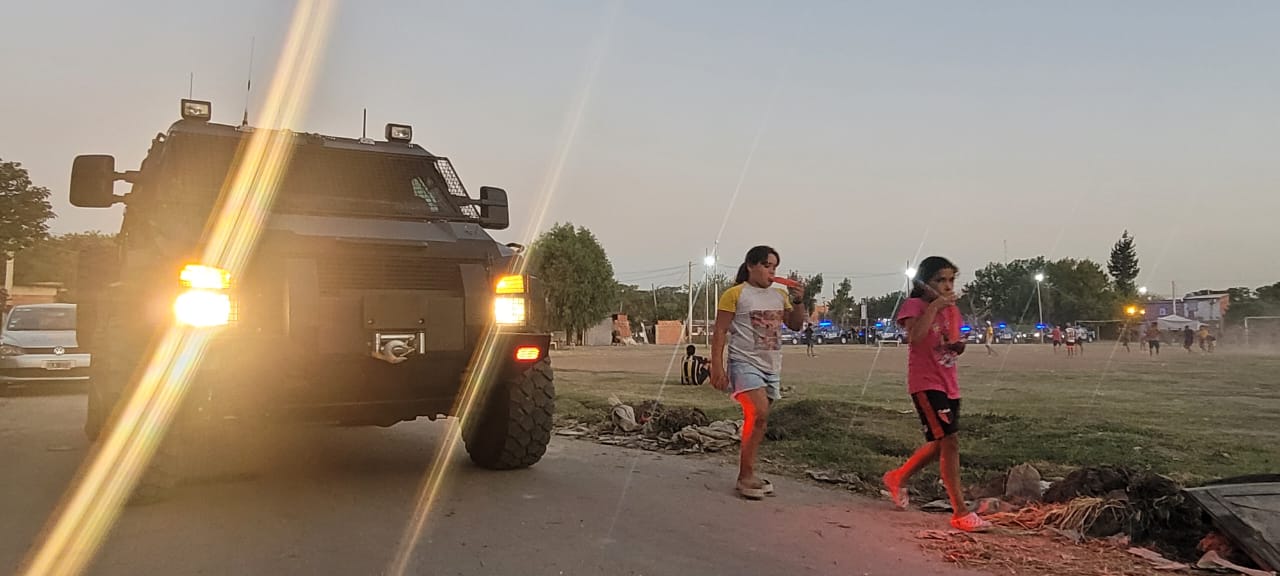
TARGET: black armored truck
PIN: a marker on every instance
(372, 294)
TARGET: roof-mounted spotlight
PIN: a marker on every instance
(199, 110)
(399, 133)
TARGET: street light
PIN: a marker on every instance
(911, 273)
(1040, 303)
(710, 262)
(1142, 290)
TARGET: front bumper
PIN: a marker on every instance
(255, 375)
(44, 368)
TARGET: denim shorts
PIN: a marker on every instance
(744, 377)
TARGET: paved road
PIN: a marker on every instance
(336, 501)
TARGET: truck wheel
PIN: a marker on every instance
(514, 425)
(844, 339)
(821, 341)
(118, 350)
(105, 380)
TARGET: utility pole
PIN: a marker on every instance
(1173, 295)
(689, 330)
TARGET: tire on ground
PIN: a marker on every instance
(512, 426)
(118, 351)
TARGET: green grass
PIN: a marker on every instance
(1194, 417)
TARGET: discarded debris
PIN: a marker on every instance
(713, 437)
(622, 416)
(1157, 561)
(1023, 484)
(830, 477)
(1212, 560)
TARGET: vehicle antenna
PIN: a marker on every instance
(248, 86)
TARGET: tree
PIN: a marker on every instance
(841, 308)
(1078, 290)
(1123, 266)
(882, 307)
(577, 276)
(812, 287)
(24, 209)
(55, 259)
(1005, 292)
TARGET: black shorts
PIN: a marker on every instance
(939, 415)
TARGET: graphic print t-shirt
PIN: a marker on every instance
(930, 365)
(755, 337)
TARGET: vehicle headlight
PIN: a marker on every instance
(509, 306)
(509, 310)
(202, 308)
(205, 303)
(11, 350)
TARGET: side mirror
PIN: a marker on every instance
(92, 180)
(493, 208)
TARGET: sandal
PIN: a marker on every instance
(897, 492)
(751, 493)
(768, 487)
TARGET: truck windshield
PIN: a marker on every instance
(330, 180)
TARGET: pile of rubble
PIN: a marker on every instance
(652, 426)
(1147, 515)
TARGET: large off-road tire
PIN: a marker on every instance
(118, 350)
(513, 424)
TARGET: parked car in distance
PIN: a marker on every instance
(39, 345)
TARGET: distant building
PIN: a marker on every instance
(1209, 308)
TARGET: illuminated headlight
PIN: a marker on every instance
(196, 109)
(509, 310)
(202, 308)
(11, 350)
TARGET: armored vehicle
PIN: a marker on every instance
(373, 292)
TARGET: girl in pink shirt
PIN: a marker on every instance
(932, 323)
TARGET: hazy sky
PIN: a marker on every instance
(886, 131)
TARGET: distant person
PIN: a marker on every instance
(1153, 339)
(1188, 338)
(989, 338)
(1124, 338)
(749, 321)
(695, 370)
(1203, 337)
(1082, 337)
(1070, 337)
(1057, 338)
(808, 340)
(932, 320)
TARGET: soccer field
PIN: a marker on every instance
(1193, 416)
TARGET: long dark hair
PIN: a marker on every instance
(757, 255)
(929, 267)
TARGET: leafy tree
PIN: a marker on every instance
(24, 209)
(1078, 290)
(812, 288)
(1123, 266)
(577, 275)
(841, 308)
(1005, 292)
(883, 306)
(1269, 293)
(56, 259)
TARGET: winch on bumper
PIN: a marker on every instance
(372, 358)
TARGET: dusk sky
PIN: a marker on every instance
(877, 132)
